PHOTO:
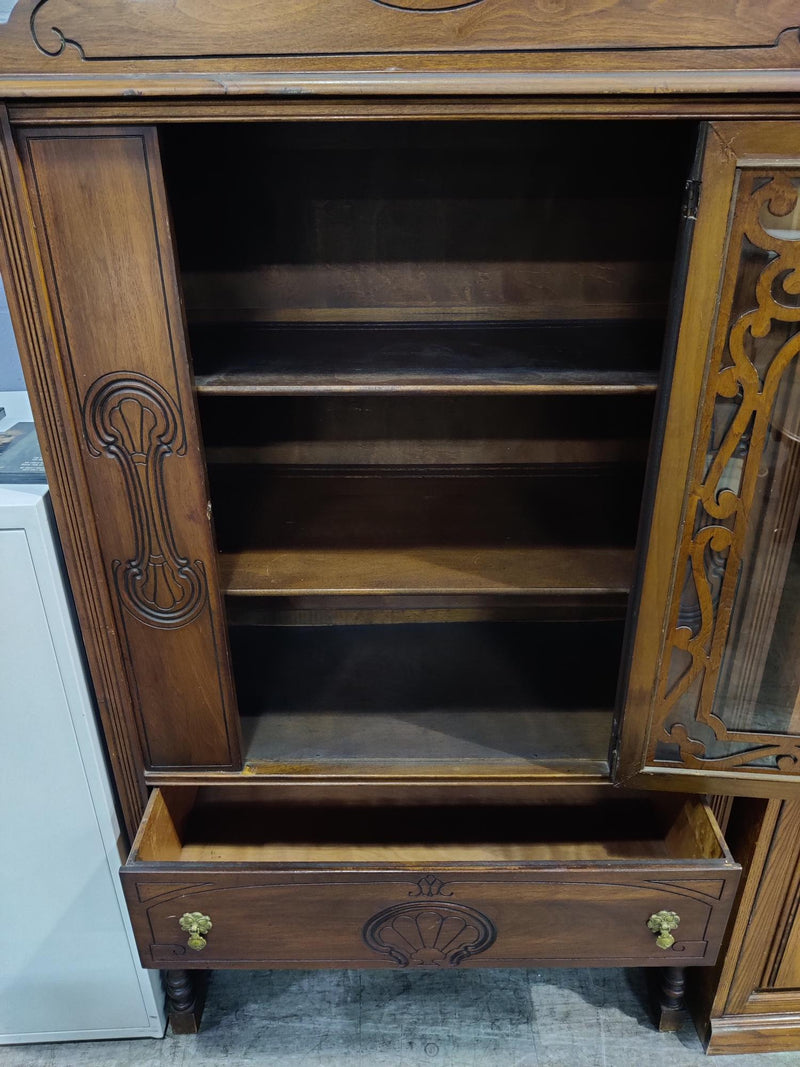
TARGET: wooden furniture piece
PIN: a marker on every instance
(476, 496)
(749, 1001)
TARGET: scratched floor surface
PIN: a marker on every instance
(478, 1018)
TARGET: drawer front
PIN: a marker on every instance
(398, 27)
(415, 919)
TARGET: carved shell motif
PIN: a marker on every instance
(429, 935)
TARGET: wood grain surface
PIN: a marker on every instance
(73, 48)
(749, 1002)
(100, 208)
(289, 27)
(683, 727)
(542, 901)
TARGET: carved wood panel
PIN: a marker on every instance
(753, 355)
(710, 651)
(102, 216)
(457, 918)
(132, 419)
(235, 48)
(763, 955)
(28, 305)
(751, 1001)
(429, 935)
(239, 28)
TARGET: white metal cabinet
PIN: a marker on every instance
(67, 961)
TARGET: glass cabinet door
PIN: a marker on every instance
(713, 699)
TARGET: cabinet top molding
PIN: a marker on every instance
(80, 48)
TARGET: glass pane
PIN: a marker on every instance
(760, 679)
(731, 685)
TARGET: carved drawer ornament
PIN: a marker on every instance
(429, 935)
(430, 885)
(133, 420)
(748, 365)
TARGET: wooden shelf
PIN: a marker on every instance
(539, 357)
(343, 571)
(423, 743)
(417, 697)
(369, 609)
(418, 430)
(286, 531)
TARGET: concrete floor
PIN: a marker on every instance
(471, 1018)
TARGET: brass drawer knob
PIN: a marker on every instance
(195, 924)
(662, 923)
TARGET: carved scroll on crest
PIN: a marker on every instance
(428, 5)
(133, 420)
(429, 935)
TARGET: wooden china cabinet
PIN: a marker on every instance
(418, 390)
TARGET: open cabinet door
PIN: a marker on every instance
(118, 367)
(713, 693)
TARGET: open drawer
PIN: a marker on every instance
(302, 885)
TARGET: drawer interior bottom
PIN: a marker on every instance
(241, 824)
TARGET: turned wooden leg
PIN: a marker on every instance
(186, 995)
(669, 998)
